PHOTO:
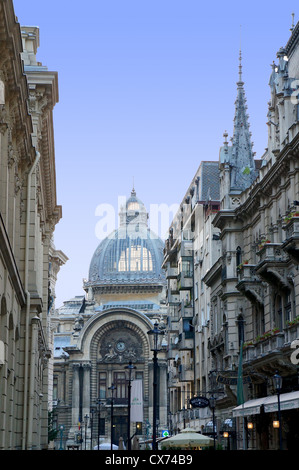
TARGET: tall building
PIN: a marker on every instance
(254, 314)
(190, 250)
(100, 332)
(28, 215)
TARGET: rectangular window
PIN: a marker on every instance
(102, 385)
(138, 375)
(55, 388)
(102, 426)
(120, 384)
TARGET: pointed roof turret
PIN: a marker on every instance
(241, 158)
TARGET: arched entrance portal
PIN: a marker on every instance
(114, 345)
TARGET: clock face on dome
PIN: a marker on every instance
(120, 346)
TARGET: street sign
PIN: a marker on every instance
(165, 433)
(199, 402)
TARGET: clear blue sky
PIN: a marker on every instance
(147, 88)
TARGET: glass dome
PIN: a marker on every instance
(131, 254)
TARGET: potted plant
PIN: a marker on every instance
(263, 243)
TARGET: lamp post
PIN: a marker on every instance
(86, 418)
(184, 416)
(277, 379)
(155, 333)
(130, 367)
(112, 388)
(61, 429)
(92, 413)
(99, 422)
(212, 402)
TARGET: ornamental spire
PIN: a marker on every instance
(240, 68)
(242, 163)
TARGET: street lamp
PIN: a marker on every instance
(61, 429)
(212, 402)
(86, 418)
(92, 413)
(130, 367)
(184, 416)
(277, 380)
(99, 422)
(155, 333)
(112, 388)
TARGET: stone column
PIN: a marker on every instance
(75, 395)
(86, 389)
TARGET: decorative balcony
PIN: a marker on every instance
(186, 340)
(185, 281)
(186, 248)
(272, 265)
(173, 379)
(172, 350)
(292, 330)
(249, 283)
(262, 348)
(266, 344)
(171, 272)
(186, 373)
(291, 244)
(173, 296)
(186, 310)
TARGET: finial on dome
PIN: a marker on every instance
(240, 62)
(133, 192)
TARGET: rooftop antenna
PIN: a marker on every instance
(292, 27)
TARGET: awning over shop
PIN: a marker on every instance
(251, 407)
(288, 401)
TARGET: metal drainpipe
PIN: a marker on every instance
(28, 298)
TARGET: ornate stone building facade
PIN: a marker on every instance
(99, 333)
(232, 274)
(254, 284)
(28, 214)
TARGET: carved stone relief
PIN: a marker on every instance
(121, 345)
